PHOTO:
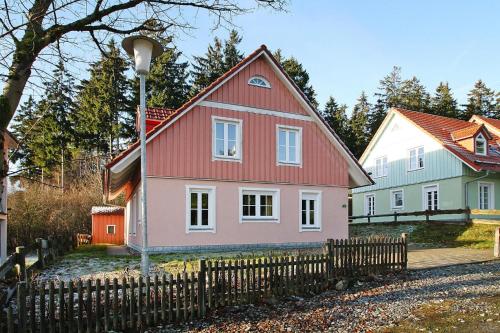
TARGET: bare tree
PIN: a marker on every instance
(33, 32)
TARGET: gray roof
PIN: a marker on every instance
(96, 210)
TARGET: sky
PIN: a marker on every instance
(348, 46)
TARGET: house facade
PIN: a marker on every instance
(420, 161)
(246, 162)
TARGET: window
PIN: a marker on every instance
(370, 204)
(397, 199)
(289, 141)
(134, 210)
(259, 81)
(310, 211)
(486, 196)
(259, 205)
(200, 208)
(480, 145)
(111, 229)
(226, 138)
(416, 159)
(430, 197)
(381, 167)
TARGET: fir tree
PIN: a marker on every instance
(232, 56)
(443, 103)
(104, 115)
(390, 89)
(299, 75)
(481, 101)
(376, 117)
(336, 117)
(358, 126)
(413, 96)
(25, 130)
(208, 68)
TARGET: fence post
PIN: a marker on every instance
(50, 243)
(395, 216)
(202, 285)
(21, 263)
(329, 258)
(21, 306)
(404, 238)
(427, 218)
(467, 215)
(39, 252)
(496, 251)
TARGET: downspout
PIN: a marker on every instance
(467, 187)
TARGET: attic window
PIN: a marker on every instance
(259, 81)
(480, 145)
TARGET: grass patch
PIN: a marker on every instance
(477, 236)
(451, 316)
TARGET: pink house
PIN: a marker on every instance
(248, 162)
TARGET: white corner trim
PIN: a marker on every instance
(239, 139)
(298, 148)
(275, 192)
(318, 214)
(212, 221)
(243, 108)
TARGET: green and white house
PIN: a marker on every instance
(422, 162)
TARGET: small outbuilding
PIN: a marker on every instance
(107, 225)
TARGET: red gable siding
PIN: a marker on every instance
(237, 91)
(185, 150)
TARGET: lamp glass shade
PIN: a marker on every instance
(143, 49)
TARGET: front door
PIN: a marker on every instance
(430, 197)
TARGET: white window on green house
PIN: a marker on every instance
(226, 139)
(289, 148)
(200, 208)
(381, 167)
(486, 196)
(397, 199)
(259, 205)
(481, 145)
(370, 204)
(310, 211)
(430, 197)
(416, 159)
(111, 229)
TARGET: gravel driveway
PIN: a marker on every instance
(367, 307)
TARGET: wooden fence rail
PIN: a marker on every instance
(134, 304)
(427, 213)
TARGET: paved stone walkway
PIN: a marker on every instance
(430, 258)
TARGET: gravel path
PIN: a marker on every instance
(366, 307)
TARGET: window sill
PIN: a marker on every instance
(292, 164)
(259, 220)
(226, 159)
(212, 230)
(310, 229)
(410, 170)
(397, 208)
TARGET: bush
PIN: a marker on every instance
(39, 210)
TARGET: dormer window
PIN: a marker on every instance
(259, 81)
(480, 145)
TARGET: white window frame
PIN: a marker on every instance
(317, 214)
(211, 190)
(416, 152)
(383, 165)
(260, 191)
(480, 137)
(133, 214)
(393, 202)
(491, 195)
(374, 203)
(424, 198)
(260, 77)
(114, 229)
(239, 138)
(298, 146)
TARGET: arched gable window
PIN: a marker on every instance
(481, 146)
(259, 81)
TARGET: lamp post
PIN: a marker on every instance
(143, 49)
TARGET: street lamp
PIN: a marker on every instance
(143, 49)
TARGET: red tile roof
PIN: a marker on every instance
(466, 132)
(441, 128)
(158, 113)
(492, 122)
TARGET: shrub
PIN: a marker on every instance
(39, 211)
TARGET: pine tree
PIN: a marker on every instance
(104, 114)
(390, 89)
(232, 56)
(336, 117)
(25, 130)
(299, 75)
(208, 68)
(443, 103)
(414, 96)
(481, 101)
(358, 126)
(376, 117)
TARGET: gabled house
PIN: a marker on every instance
(246, 162)
(420, 161)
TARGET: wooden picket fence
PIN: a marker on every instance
(133, 305)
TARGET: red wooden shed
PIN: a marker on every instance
(107, 225)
